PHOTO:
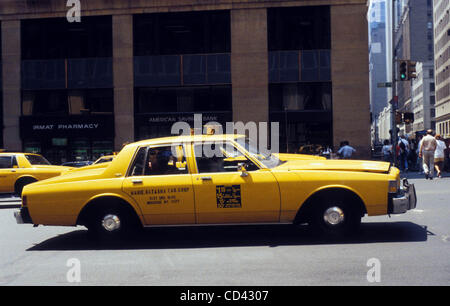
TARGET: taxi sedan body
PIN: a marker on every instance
(20, 169)
(216, 179)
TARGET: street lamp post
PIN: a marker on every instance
(394, 101)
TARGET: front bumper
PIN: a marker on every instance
(404, 200)
(23, 216)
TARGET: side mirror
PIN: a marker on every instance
(243, 168)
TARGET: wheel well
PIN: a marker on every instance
(106, 201)
(307, 207)
(28, 179)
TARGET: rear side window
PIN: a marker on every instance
(6, 162)
(37, 160)
(139, 163)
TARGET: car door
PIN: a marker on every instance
(224, 195)
(8, 173)
(159, 181)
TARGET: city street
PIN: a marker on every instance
(413, 249)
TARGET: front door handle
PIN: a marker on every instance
(136, 181)
(206, 178)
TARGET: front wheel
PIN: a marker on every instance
(336, 219)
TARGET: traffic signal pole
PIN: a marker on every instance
(394, 101)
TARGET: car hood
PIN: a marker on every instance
(287, 156)
(336, 165)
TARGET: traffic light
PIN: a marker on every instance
(408, 118)
(403, 70)
(412, 70)
(398, 117)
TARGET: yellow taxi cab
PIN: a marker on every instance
(20, 169)
(104, 159)
(215, 179)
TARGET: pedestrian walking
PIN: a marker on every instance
(346, 151)
(426, 151)
(403, 145)
(387, 151)
(439, 155)
(419, 159)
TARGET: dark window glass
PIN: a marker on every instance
(220, 157)
(37, 160)
(183, 99)
(99, 100)
(299, 28)
(6, 162)
(139, 163)
(182, 33)
(300, 96)
(46, 102)
(55, 38)
(166, 160)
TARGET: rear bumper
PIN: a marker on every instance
(404, 200)
(22, 216)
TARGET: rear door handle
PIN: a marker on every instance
(136, 181)
(206, 178)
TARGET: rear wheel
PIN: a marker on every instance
(336, 218)
(115, 222)
(20, 184)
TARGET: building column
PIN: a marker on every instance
(351, 103)
(123, 76)
(249, 65)
(11, 69)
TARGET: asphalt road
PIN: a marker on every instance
(409, 249)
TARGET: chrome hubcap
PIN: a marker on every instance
(333, 216)
(111, 223)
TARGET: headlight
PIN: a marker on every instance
(393, 186)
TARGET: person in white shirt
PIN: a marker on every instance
(346, 151)
(387, 151)
(427, 148)
(439, 155)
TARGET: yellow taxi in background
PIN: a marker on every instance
(215, 179)
(20, 169)
(104, 159)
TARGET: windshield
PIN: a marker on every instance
(268, 160)
(37, 160)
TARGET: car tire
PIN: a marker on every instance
(20, 184)
(336, 218)
(111, 223)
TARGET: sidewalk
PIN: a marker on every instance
(418, 175)
(10, 201)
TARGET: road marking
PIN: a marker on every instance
(417, 210)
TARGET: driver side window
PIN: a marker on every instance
(220, 157)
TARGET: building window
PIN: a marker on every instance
(299, 28)
(300, 97)
(183, 99)
(182, 33)
(55, 38)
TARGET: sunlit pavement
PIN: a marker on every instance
(412, 249)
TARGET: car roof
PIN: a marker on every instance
(17, 153)
(187, 138)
